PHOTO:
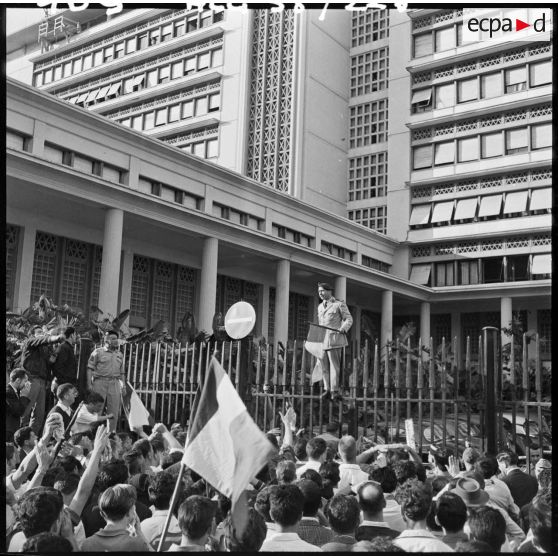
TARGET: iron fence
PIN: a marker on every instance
(496, 398)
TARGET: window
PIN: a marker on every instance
(445, 39)
(217, 57)
(492, 145)
(541, 136)
(444, 153)
(67, 69)
(190, 65)
(149, 121)
(467, 90)
(160, 117)
(166, 32)
(97, 168)
(128, 85)
(540, 73)
(57, 73)
(516, 79)
(39, 79)
(492, 270)
(422, 157)
(445, 274)
(468, 149)
(177, 70)
(192, 23)
(203, 61)
(516, 141)
(154, 37)
(156, 188)
(214, 102)
(174, 113)
(422, 44)
(76, 64)
(179, 197)
(212, 148)
(179, 28)
(142, 41)
(152, 78)
(205, 19)
(199, 149)
(131, 45)
(422, 100)
(491, 85)
(137, 122)
(97, 58)
(108, 54)
(119, 50)
(187, 109)
(164, 74)
(201, 106)
(469, 273)
(68, 158)
(445, 96)
(48, 76)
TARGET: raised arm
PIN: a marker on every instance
(88, 478)
(172, 442)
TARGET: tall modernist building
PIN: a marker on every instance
(377, 148)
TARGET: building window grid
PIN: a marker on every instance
(485, 65)
(368, 176)
(372, 217)
(512, 140)
(338, 251)
(113, 46)
(292, 235)
(375, 264)
(369, 72)
(369, 26)
(12, 243)
(368, 123)
(162, 116)
(142, 76)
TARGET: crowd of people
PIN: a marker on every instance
(76, 483)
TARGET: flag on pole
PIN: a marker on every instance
(314, 343)
(225, 446)
(134, 409)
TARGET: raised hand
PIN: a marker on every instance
(453, 465)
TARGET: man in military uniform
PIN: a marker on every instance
(333, 314)
(106, 375)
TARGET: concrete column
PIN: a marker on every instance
(505, 316)
(340, 288)
(110, 266)
(386, 327)
(126, 281)
(456, 332)
(282, 282)
(24, 271)
(208, 285)
(357, 321)
(425, 323)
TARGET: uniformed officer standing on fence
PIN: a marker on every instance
(335, 315)
(106, 375)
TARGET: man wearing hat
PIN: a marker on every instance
(335, 315)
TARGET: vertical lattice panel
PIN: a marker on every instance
(96, 280)
(162, 292)
(271, 91)
(140, 287)
(271, 313)
(12, 241)
(44, 266)
(233, 292)
(251, 292)
(185, 293)
(441, 327)
(369, 26)
(74, 274)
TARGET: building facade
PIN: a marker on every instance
(439, 152)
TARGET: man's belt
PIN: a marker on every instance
(106, 377)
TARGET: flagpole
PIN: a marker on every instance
(171, 506)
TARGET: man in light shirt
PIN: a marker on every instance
(89, 417)
(316, 451)
(286, 507)
(351, 475)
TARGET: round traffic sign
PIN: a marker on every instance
(240, 320)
